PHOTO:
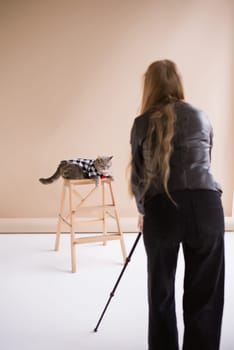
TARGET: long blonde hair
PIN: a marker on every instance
(162, 87)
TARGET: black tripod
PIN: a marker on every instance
(118, 280)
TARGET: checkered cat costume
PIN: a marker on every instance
(87, 166)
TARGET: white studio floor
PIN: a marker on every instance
(43, 306)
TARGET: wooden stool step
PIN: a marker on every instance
(69, 216)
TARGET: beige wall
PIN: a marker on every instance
(71, 86)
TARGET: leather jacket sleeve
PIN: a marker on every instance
(136, 168)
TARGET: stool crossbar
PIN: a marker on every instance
(77, 202)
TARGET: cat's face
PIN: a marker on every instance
(103, 165)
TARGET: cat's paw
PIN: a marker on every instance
(98, 181)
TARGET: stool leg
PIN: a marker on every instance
(104, 212)
(58, 232)
(72, 230)
(121, 237)
(118, 224)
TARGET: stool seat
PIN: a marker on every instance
(71, 217)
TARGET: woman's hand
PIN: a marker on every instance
(140, 222)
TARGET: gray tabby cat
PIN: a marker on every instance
(80, 168)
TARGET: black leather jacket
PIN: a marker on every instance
(191, 156)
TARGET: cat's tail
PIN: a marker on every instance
(48, 180)
(54, 177)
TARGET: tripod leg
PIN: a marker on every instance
(118, 280)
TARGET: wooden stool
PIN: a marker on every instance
(73, 211)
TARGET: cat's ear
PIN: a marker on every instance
(110, 157)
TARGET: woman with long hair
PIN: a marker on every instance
(179, 203)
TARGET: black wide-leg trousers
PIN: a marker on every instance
(197, 223)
